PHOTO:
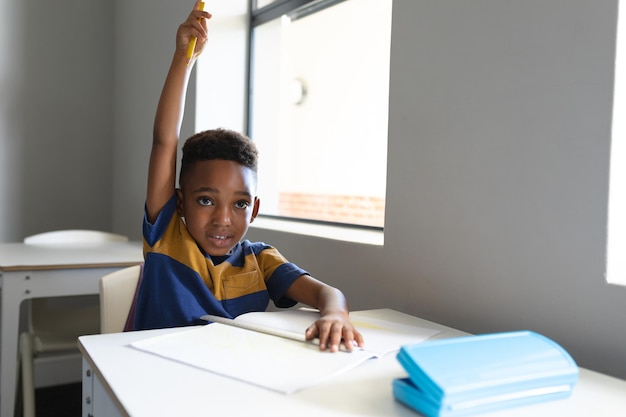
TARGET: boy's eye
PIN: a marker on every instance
(204, 201)
(242, 204)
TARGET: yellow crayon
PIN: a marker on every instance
(192, 44)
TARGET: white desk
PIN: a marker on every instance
(121, 381)
(29, 271)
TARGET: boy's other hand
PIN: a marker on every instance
(331, 330)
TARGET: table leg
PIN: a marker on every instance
(11, 296)
(20, 285)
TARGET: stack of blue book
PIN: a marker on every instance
(467, 375)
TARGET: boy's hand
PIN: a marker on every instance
(331, 329)
(194, 27)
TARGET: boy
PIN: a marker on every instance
(196, 262)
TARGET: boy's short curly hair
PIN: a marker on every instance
(221, 144)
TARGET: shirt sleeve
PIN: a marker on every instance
(279, 274)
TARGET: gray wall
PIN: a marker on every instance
(144, 41)
(497, 176)
(56, 116)
(498, 157)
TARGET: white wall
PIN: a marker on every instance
(497, 165)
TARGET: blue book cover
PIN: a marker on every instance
(472, 374)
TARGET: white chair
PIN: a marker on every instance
(73, 236)
(117, 292)
(55, 323)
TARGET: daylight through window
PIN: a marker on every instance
(616, 248)
(318, 108)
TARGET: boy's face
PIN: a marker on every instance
(218, 203)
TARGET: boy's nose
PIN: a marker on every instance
(221, 216)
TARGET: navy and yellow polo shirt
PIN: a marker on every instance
(180, 283)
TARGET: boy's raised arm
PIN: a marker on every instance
(169, 114)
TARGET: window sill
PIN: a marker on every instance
(343, 233)
(616, 279)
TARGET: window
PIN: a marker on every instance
(616, 247)
(318, 108)
(262, 3)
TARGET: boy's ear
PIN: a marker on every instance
(255, 209)
(179, 202)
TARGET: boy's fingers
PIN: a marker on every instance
(323, 332)
(310, 332)
(358, 338)
(197, 23)
(349, 339)
(335, 336)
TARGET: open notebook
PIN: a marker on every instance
(278, 363)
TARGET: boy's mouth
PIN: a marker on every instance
(220, 241)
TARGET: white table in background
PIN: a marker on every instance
(119, 380)
(30, 271)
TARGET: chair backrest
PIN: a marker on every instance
(117, 292)
(73, 236)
